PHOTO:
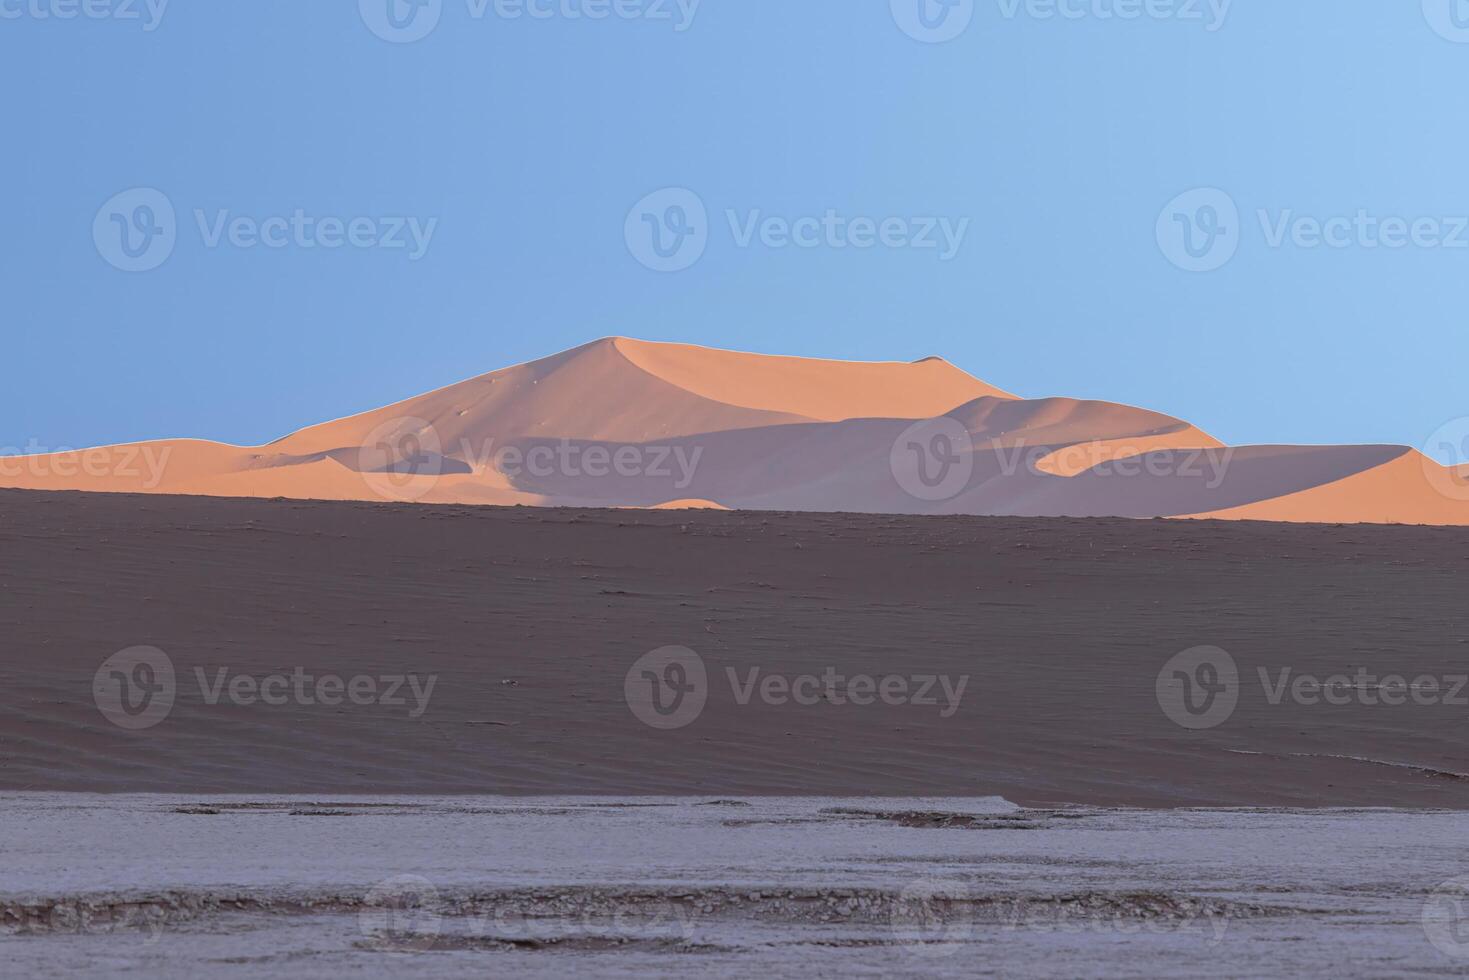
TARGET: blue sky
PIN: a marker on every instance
(1065, 155)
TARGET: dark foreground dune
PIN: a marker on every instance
(530, 619)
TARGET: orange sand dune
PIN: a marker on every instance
(825, 390)
(1394, 492)
(689, 504)
(628, 423)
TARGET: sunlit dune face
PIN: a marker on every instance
(627, 423)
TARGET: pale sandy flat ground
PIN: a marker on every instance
(268, 886)
(531, 618)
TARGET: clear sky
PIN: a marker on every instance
(1050, 139)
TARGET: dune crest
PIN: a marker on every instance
(630, 423)
(818, 390)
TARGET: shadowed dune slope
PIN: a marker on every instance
(531, 620)
(627, 423)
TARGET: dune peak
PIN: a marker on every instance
(624, 422)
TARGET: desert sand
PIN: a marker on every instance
(530, 620)
(550, 887)
(628, 423)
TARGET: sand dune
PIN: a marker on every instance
(816, 389)
(627, 423)
(1392, 492)
(531, 620)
